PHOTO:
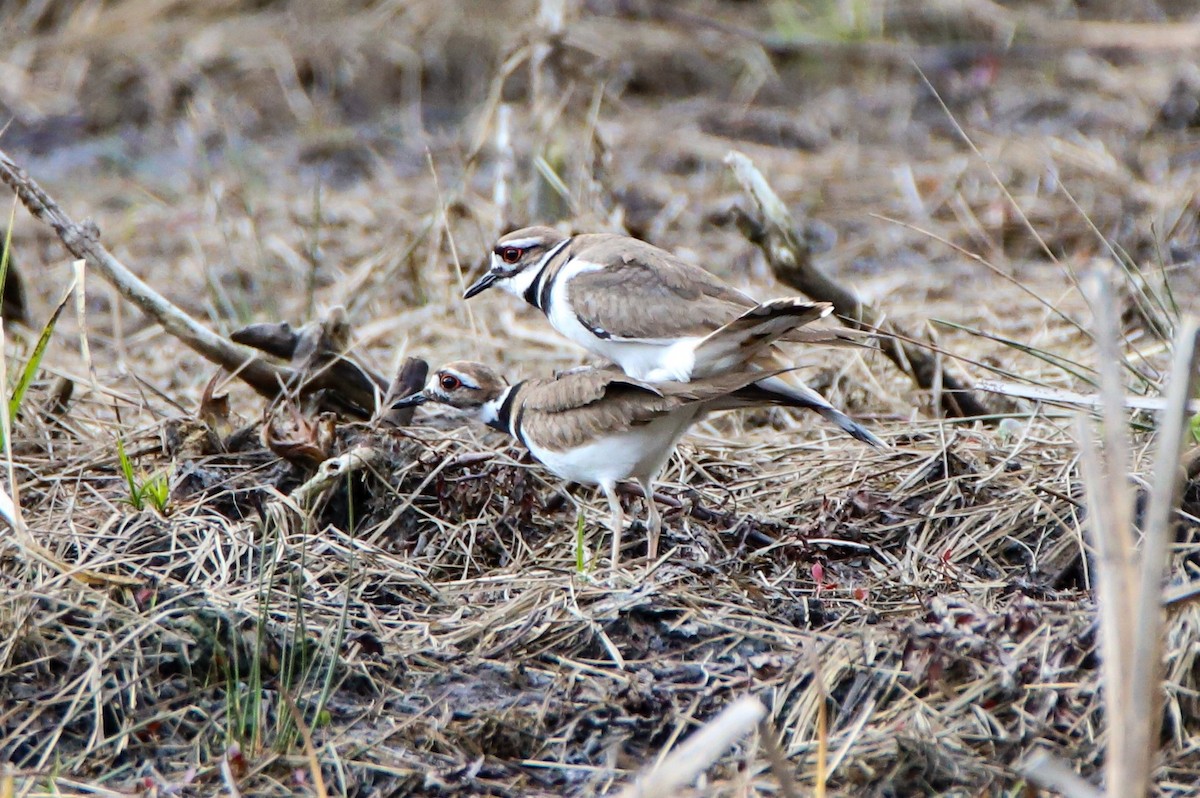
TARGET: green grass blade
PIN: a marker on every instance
(35, 358)
(158, 490)
(1077, 370)
(135, 493)
(327, 683)
(12, 218)
(580, 545)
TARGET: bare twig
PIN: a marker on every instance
(1057, 396)
(83, 241)
(335, 471)
(776, 233)
(1130, 598)
(1054, 774)
(699, 751)
(316, 350)
(1110, 510)
(346, 380)
(1157, 536)
(310, 750)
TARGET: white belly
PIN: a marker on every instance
(633, 454)
(643, 358)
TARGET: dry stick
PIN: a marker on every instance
(1054, 774)
(83, 241)
(1157, 536)
(698, 751)
(316, 351)
(1110, 512)
(335, 471)
(346, 380)
(774, 231)
(1130, 597)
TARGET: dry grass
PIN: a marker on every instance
(421, 627)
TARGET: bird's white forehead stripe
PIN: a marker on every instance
(466, 379)
(522, 243)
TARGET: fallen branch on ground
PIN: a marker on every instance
(773, 230)
(316, 352)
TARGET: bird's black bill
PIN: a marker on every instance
(410, 401)
(481, 285)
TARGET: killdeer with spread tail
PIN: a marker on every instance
(639, 307)
(596, 426)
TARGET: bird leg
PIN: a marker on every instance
(653, 521)
(616, 520)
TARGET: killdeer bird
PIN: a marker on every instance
(641, 308)
(596, 426)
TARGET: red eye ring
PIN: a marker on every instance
(449, 382)
(510, 254)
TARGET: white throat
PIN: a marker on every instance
(489, 411)
(519, 283)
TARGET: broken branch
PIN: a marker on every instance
(317, 362)
(773, 230)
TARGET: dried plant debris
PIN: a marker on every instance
(282, 586)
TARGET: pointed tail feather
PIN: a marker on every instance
(776, 390)
(745, 338)
(851, 427)
(843, 337)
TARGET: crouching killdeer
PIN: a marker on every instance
(641, 308)
(596, 426)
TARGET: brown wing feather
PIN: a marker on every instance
(665, 297)
(567, 411)
(576, 389)
(711, 389)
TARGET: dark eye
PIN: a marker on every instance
(449, 382)
(510, 254)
